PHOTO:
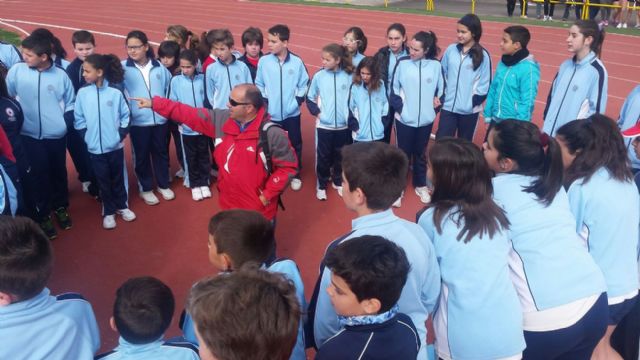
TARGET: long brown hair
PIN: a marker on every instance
(339, 52)
(371, 64)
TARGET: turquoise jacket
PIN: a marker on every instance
(513, 91)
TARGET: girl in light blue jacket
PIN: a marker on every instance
(604, 200)
(478, 314)
(417, 86)
(368, 104)
(561, 289)
(102, 119)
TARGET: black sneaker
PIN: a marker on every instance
(48, 228)
(63, 218)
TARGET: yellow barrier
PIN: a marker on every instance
(585, 6)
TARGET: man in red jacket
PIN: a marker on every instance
(243, 180)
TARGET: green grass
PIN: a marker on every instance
(10, 37)
(504, 19)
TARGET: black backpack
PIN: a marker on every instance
(263, 144)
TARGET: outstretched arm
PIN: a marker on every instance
(197, 119)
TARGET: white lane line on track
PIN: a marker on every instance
(15, 27)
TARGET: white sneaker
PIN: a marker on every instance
(423, 194)
(196, 194)
(109, 222)
(149, 198)
(624, 25)
(545, 18)
(398, 202)
(85, 186)
(321, 194)
(180, 173)
(206, 192)
(296, 184)
(550, 18)
(619, 26)
(127, 215)
(167, 193)
(338, 188)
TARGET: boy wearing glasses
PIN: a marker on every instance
(244, 181)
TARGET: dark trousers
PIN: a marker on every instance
(413, 141)
(110, 173)
(626, 336)
(575, 342)
(149, 144)
(548, 8)
(48, 174)
(328, 156)
(452, 123)
(177, 142)
(79, 155)
(387, 122)
(198, 163)
(511, 5)
(292, 126)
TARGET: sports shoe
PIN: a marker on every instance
(167, 193)
(180, 173)
(338, 188)
(85, 186)
(397, 203)
(423, 194)
(296, 184)
(549, 18)
(523, 16)
(196, 194)
(149, 198)
(206, 192)
(545, 18)
(109, 222)
(619, 26)
(321, 194)
(624, 25)
(63, 218)
(47, 227)
(127, 215)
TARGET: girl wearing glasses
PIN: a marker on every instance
(355, 42)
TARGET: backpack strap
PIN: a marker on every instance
(263, 144)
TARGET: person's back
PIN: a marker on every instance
(141, 314)
(39, 325)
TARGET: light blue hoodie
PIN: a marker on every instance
(369, 109)
(283, 84)
(135, 86)
(328, 98)
(221, 78)
(45, 97)
(629, 117)
(189, 91)
(465, 88)
(103, 112)
(578, 91)
(415, 84)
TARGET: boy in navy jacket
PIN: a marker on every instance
(141, 314)
(283, 79)
(368, 274)
(34, 324)
(46, 95)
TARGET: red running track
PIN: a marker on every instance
(169, 240)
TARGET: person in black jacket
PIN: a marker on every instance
(387, 58)
(368, 274)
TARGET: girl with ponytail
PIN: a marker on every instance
(102, 119)
(604, 200)
(355, 42)
(466, 66)
(417, 86)
(561, 289)
(579, 89)
(328, 100)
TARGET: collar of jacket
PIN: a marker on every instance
(519, 55)
(231, 127)
(587, 59)
(154, 62)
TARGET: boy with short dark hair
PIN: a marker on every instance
(367, 277)
(142, 313)
(252, 42)
(46, 120)
(238, 237)
(34, 324)
(229, 329)
(223, 75)
(169, 56)
(374, 175)
(513, 90)
(83, 45)
(283, 79)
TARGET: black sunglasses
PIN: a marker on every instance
(235, 103)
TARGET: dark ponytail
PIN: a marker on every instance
(472, 22)
(339, 52)
(359, 37)
(137, 34)
(429, 43)
(109, 64)
(56, 45)
(535, 153)
(596, 143)
(591, 28)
